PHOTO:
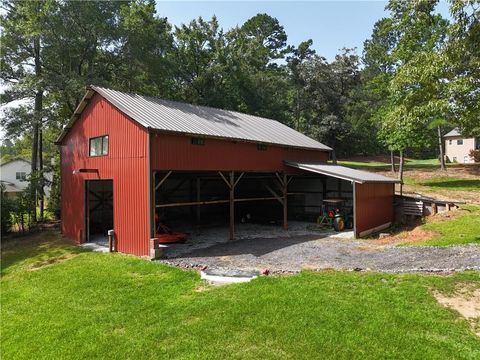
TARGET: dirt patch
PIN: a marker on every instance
(465, 301)
(415, 233)
(410, 236)
(48, 262)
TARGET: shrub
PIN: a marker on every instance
(6, 209)
(475, 154)
(54, 203)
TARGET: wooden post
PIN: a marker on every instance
(285, 208)
(198, 200)
(111, 241)
(324, 187)
(153, 203)
(232, 205)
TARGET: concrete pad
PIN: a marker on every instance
(223, 276)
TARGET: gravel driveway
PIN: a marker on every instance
(294, 253)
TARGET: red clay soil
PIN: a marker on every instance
(415, 233)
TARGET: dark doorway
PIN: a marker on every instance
(99, 209)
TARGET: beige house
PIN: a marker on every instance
(458, 147)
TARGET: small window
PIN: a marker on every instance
(449, 142)
(460, 142)
(99, 146)
(261, 147)
(198, 141)
(21, 176)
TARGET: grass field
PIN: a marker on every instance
(445, 182)
(461, 229)
(59, 302)
(409, 163)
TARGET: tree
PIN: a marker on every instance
(463, 59)
(416, 90)
(23, 39)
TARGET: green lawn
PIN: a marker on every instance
(58, 302)
(445, 182)
(410, 163)
(464, 229)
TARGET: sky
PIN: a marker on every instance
(331, 25)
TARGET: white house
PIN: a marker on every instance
(458, 147)
(13, 174)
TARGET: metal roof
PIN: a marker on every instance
(454, 132)
(343, 172)
(171, 116)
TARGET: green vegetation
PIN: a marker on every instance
(417, 76)
(444, 182)
(59, 302)
(409, 163)
(463, 229)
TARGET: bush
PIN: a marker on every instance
(6, 209)
(54, 203)
(475, 155)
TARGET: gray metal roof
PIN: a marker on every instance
(343, 172)
(454, 132)
(172, 116)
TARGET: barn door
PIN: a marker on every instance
(99, 208)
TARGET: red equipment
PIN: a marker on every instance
(165, 235)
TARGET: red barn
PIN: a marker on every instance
(127, 160)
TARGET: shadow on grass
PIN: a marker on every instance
(30, 249)
(466, 184)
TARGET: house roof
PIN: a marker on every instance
(15, 159)
(343, 172)
(453, 133)
(171, 116)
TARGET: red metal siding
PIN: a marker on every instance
(126, 164)
(373, 205)
(175, 152)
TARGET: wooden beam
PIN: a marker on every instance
(273, 193)
(224, 179)
(207, 202)
(236, 182)
(163, 180)
(232, 205)
(153, 196)
(285, 208)
(255, 199)
(279, 179)
(198, 200)
(210, 202)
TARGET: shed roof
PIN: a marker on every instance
(343, 172)
(453, 133)
(171, 116)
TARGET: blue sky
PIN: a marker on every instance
(331, 25)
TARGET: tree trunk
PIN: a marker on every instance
(41, 193)
(392, 162)
(334, 157)
(33, 174)
(37, 121)
(400, 172)
(440, 147)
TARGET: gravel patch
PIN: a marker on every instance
(291, 254)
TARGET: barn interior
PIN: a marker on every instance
(99, 209)
(200, 201)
